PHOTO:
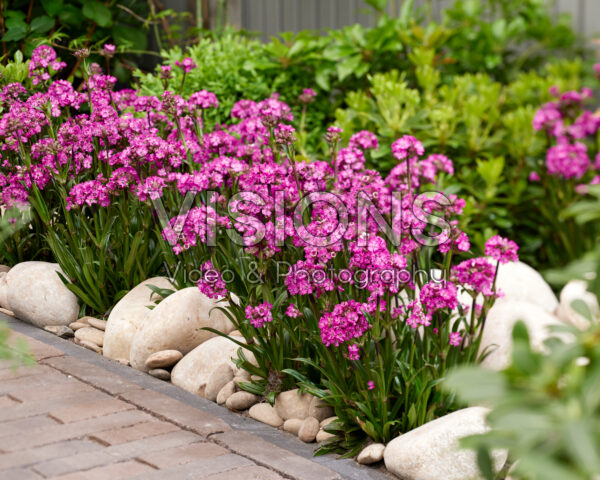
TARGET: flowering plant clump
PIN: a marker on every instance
(355, 286)
(570, 167)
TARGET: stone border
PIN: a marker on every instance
(346, 468)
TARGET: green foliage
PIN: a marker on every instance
(545, 408)
(483, 126)
(15, 352)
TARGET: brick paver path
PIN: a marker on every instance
(71, 420)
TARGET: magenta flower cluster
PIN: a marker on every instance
(260, 314)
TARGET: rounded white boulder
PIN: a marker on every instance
(432, 452)
(497, 333)
(576, 290)
(194, 370)
(127, 316)
(4, 291)
(37, 295)
(178, 323)
(519, 282)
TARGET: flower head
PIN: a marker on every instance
(260, 314)
(502, 249)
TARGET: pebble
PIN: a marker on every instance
(323, 436)
(163, 359)
(291, 404)
(60, 331)
(293, 425)
(97, 323)
(309, 429)
(227, 391)
(90, 346)
(371, 454)
(241, 401)
(161, 374)
(77, 325)
(327, 421)
(7, 312)
(265, 413)
(90, 334)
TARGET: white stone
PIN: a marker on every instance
(327, 421)
(292, 425)
(37, 295)
(127, 316)
(308, 430)
(4, 291)
(194, 370)
(77, 325)
(577, 290)
(241, 401)
(227, 391)
(322, 436)
(90, 346)
(371, 454)
(177, 324)
(97, 323)
(319, 409)
(432, 452)
(163, 359)
(292, 405)
(60, 331)
(160, 373)
(220, 376)
(265, 413)
(92, 335)
(519, 282)
(497, 334)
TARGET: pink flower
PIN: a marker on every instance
(211, 282)
(346, 322)
(454, 339)
(260, 314)
(292, 311)
(370, 385)
(407, 147)
(436, 296)
(502, 249)
(534, 177)
(187, 64)
(364, 140)
(476, 274)
(353, 352)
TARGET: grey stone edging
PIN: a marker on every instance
(346, 468)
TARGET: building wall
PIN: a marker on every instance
(273, 16)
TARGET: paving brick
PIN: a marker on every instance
(246, 473)
(93, 374)
(135, 432)
(25, 458)
(116, 471)
(177, 412)
(85, 411)
(30, 409)
(39, 350)
(9, 373)
(180, 455)
(200, 469)
(274, 457)
(19, 474)
(44, 393)
(39, 380)
(7, 402)
(117, 453)
(60, 432)
(15, 427)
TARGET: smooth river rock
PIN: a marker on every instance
(37, 295)
(265, 413)
(160, 373)
(60, 331)
(292, 405)
(127, 316)
(4, 291)
(193, 371)
(577, 290)
(431, 452)
(177, 324)
(240, 401)
(92, 335)
(371, 454)
(97, 323)
(308, 430)
(519, 282)
(497, 333)
(227, 391)
(220, 376)
(163, 359)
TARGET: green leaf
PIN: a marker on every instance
(348, 66)
(98, 13)
(582, 309)
(14, 34)
(42, 24)
(70, 15)
(485, 463)
(475, 384)
(52, 7)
